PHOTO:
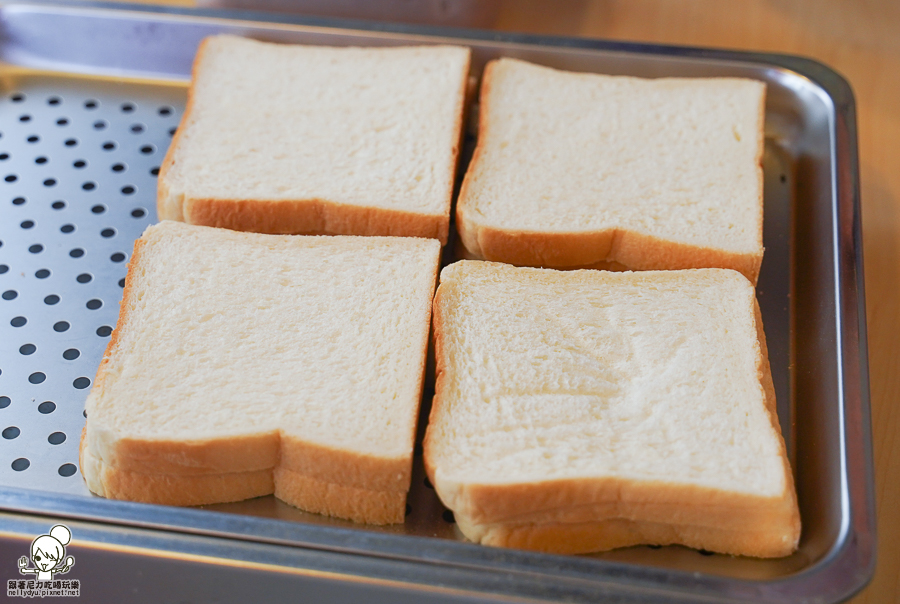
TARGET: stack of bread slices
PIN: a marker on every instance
(574, 410)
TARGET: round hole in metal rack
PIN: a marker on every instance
(71, 142)
(84, 278)
(71, 354)
(57, 438)
(50, 182)
(76, 252)
(147, 149)
(27, 349)
(11, 178)
(67, 228)
(54, 100)
(137, 128)
(172, 131)
(122, 282)
(100, 125)
(62, 122)
(154, 171)
(4, 156)
(127, 107)
(90, 104)
(108, 232)
(79, 163)
(109, 145)
(26, 224)
(42, 273)
(18, 321)
(67, 469)
(47, 407)
(51, 299)
(94, 304)
(21, 464)
(117, 257)
(98, 209)
(89, 186)
(10, 294)
(81, 383)
(4, 269)
(11, 432)
(18, 201)
(36, 248)
(33, 138)
(40, 160)
(138, 212)
(37, 377)
(58, 205)
(128, 190)
(61, 326)
(117, 167)
(25, 118)
(4, 402)
(165, 111)
(17, 97)
(104, 330)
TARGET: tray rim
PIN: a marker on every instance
(853, 555)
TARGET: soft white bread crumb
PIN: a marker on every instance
(237, 355)
(318, 140)
(573, 169)
(581, 410)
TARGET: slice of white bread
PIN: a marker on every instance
(578, 411)
(574, 169)
(318, 140)
(245, 363)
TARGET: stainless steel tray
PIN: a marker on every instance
(90, 97)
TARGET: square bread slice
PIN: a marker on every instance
(580, 411)
(574, 170)
(244, 364)
(318, 140)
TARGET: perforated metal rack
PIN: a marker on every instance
(89, 99)
(78, 163)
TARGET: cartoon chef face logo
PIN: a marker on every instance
(48, 553)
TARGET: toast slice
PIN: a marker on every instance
(575, 169)
(244, 364)
(578, 411)
(318, 140)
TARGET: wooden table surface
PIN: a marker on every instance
(861, 40)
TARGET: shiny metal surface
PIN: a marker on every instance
(810, 293)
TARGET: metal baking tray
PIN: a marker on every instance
(90, 97)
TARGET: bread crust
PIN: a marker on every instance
(372, 506)
(586, 249)
(168, 205)
(331, 499)
(578, 515)
(170, 489)
(573, 250)
(304, 216)
(313, 217)
(612, 533)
